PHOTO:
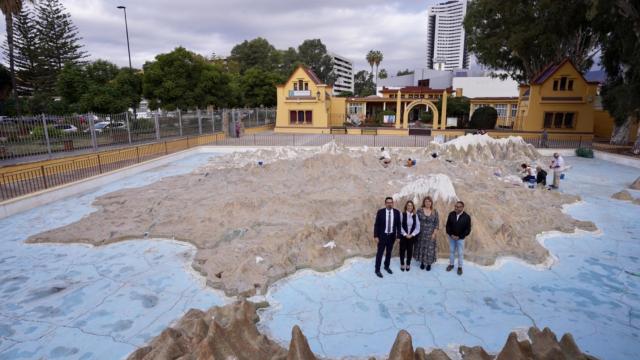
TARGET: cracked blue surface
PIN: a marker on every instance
(588, 292)
(80, 302)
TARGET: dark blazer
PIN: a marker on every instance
(461, 227)
(381, 221)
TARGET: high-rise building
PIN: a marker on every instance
(446, 48)
(343, 68)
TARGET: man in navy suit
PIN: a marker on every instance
(385, 231)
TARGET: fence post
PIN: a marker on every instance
(180, 122)
(199, 122)
(157, 125)
(128, 127)
(213, 121)
(46, 134)
(138, 153)
(580, 142)
(374, 139)
(99, 165)
(165, 148)
(44, 177)
(415, 141)
(92, 130)
(254, 139)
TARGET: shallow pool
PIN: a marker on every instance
(81, 302)
(591, 291)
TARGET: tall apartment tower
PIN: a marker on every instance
(446, 48)
(343, 68)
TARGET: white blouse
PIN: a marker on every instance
(416, 231)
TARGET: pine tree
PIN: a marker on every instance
(58, 38)
(28, 62)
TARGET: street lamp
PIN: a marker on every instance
(126, 27)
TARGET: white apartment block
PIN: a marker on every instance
(343, 68)
(446, 48)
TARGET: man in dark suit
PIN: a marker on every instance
(458, 228)
(385, 231)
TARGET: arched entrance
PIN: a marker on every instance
(429, 104)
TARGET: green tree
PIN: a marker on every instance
(457, 106)
(259, 87)
(9, 9)
(5, 83)
(618, 26)
(290, 60)
(526, 36)
(404, 72)
(377, 59)
(256, 53)
(27, 59)
(58, 39)
(184, 80)
(313, 54)
(363, 84)
(484, 118)
(371, 59)
(383, 74)
(99, 87)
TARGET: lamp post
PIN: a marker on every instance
(126, 28)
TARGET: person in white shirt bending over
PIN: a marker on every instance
(529, 173)
(385, 157)
(557, 165)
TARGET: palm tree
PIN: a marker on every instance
(371, 59)
(377, 60)
(10, 8)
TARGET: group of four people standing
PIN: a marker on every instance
(417, 231)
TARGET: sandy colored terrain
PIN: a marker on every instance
(254, 224)
(229, 332)
(636, 184)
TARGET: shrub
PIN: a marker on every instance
(584, 152)
(38, 132)
(484, 118)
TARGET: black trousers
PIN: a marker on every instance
(385, 243)
(406, 248)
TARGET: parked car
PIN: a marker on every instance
(66, 128)
(106, 126)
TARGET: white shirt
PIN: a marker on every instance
(388, 217)
(558, 163)
(385, 154)
(458, 216)
(416, 231)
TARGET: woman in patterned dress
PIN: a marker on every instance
(425, 246)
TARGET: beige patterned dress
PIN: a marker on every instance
(424, 249)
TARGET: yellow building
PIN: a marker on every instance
(558, 99)
(306, 105)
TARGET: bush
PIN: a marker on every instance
(426, 117)
(484, 118)
(584, 152)
(38, 132)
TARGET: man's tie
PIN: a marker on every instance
(388, 222)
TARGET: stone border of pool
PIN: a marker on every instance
(30, 201)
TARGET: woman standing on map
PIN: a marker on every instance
(425, 246)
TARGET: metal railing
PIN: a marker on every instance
(48, 136)
(27, 179)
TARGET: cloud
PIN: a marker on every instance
(349, 28)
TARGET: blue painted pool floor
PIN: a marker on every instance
(590, 291)
(80, 302)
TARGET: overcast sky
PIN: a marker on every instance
(348, 27)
